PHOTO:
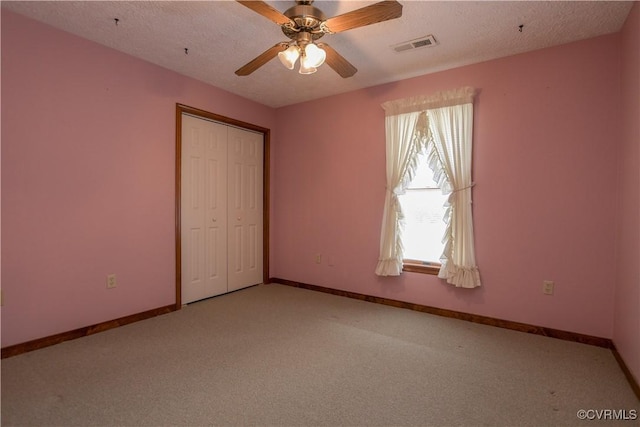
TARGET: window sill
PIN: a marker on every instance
(418, 267)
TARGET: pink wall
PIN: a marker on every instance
(545, 152)
(88, 154)
(626, 332)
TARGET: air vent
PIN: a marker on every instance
(425, 41)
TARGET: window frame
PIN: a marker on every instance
(423, 267)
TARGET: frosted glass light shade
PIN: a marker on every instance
(289, 56)
(314, 55)
(305, 68)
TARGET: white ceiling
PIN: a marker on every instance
(221, 36)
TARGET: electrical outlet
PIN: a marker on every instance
(318, 258)
(111, 281)
(547, 287)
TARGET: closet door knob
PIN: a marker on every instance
(214, 219)
(238, 218)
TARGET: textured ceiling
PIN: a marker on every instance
(221, 36)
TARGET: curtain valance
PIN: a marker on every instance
(463, 95)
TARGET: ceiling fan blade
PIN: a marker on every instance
(267, 11)
(377, 12)
(261, 59)
(337, 61)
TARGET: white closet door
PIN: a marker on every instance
(203, 209)
(245, 154)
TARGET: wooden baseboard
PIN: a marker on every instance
(633, 382)
(36, 344)
(521, 327)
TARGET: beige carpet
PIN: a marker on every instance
(275, 355)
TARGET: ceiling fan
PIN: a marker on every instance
(303, 24)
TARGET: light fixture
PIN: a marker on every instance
(314, 56)
(311, 56)
(290, 56)
(305, 68)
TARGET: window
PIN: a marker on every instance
(423, 226)
(441, 127)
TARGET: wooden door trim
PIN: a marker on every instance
(266, 133)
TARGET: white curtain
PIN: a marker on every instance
(402, 148)
(443, 123)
